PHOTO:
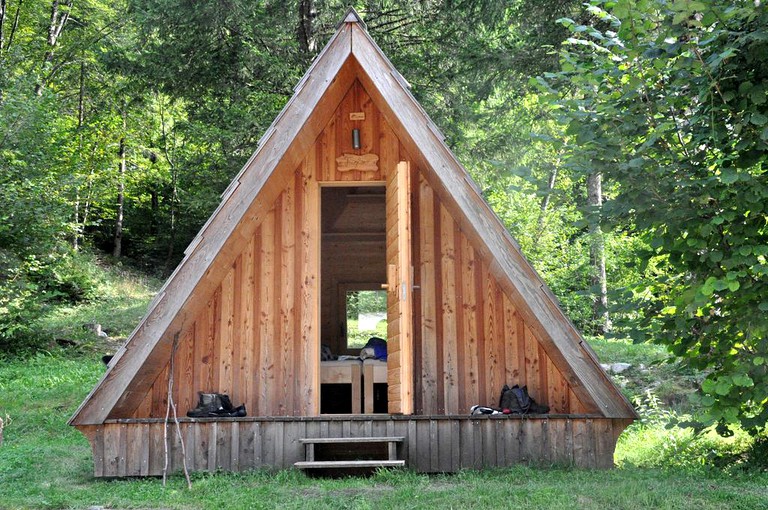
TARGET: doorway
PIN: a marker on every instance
(352, 303)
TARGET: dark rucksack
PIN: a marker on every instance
(515, 400)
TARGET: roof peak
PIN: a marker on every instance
(352, 16)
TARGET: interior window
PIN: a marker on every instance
(366, 316)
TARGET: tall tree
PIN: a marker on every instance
(597, 252)
(671, 97)
(117, 251)
(59, 17)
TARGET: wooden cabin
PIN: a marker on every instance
(353, 189)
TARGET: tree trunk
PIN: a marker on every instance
(120, 189)
(597, 252)
(305, 30)
(172, 237)
(3, 8)
(547, 196)
(168, 153)
(80, 121)
(59, 19)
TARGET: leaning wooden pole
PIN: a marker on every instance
(172, 406)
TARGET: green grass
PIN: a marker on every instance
(652, 371)
(123, 299)
(46, 464)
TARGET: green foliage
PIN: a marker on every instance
(667, 100)
(29, 286)
(357, 338)
(655, 442)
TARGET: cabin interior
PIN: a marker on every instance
(353, 304)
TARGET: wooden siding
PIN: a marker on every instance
(472, 338)
(256, 338)
(432, 443)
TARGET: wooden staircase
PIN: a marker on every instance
(311, 463)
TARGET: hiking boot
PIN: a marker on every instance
(207, 404)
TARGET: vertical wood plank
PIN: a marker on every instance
(512, 350)
(133, 450)
(156, 449)
(184, 385)
(575, 405)
(216, 327)
(227, 338)
(238, 345)
(489, 443)
(580, 454)
(258, 449)
(448, 313)
(532, 372)
(481, 297)
(604, 443)
(213, 446)
(288, 319)
(122, 456)
(111, 449)
(455, 434)
(467, 443)
(257, 350)
(495, 357)
(247, 367)
(267, 377)
(308, 380)
(200, 446)
(429, 357)
(500, 441)
(234, 445)
(558, 389)
(469, 322)
(97, 446)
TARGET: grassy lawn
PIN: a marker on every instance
(46, 464)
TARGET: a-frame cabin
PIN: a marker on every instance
(319, 211)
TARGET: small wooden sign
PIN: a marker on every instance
(357, 116)
(363, 162)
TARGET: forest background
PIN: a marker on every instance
(622, 143)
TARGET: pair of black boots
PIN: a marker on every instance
(515, 400)
(216, 405)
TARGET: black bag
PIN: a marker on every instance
(515, 400)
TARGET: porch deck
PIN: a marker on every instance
(134, 447)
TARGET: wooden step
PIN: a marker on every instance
(390, 441)
(342, 440)
(331, 464)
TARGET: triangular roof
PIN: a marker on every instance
(350, 54)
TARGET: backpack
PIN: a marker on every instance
(515, 400)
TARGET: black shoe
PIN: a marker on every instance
(207, 404)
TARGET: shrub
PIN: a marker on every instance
(29, 285)
(658, 441)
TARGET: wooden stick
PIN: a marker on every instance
(172, 406)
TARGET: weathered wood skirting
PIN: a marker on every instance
(432, 443)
